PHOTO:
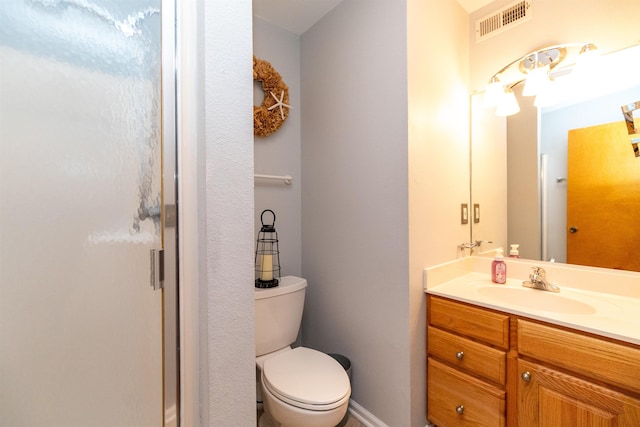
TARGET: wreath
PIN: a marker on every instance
(274, 110)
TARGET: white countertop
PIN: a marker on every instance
(598, 301)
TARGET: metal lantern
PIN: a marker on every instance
(267, 262)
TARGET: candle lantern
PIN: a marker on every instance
(267, 262)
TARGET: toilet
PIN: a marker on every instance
(300, 387)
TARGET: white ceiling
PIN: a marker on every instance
(297, 16)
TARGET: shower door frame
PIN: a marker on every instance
(170, 300)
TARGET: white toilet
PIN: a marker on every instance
(300, 387)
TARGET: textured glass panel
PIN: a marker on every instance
(80, 327)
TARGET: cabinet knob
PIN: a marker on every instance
(460, 355)
(460, 409)
(526, 376)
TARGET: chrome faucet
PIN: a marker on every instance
(472, 245)
(538, 280)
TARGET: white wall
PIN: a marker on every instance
(279, 153)
(438, 142)
(226, 214)
(489, 184)
(355, 247)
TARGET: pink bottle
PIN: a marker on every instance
(499, 268)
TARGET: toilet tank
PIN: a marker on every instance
(278, 314)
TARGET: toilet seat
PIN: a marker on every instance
(307, 379)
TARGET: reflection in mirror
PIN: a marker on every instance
(629, 120)
(562, 181)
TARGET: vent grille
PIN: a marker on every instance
(507, 17)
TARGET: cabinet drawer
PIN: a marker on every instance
(478, 323)
(456, 399)
(484, 361)
(616, 364)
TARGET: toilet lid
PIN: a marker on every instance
(306, 378)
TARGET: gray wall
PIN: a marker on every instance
(279, 153)
(523, 191)
(355, 247)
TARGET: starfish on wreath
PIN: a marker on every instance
(279, 103)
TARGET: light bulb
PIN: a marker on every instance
(508, 104)
(548, 95)
(536, 79)
(492, 93)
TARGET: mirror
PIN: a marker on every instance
(529, 178)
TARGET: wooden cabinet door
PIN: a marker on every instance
(549, 398)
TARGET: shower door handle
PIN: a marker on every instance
(157, 269)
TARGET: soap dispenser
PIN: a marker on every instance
(499, 268)
(514, 252)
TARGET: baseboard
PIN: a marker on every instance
(366, 417)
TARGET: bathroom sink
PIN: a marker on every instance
(537, 299)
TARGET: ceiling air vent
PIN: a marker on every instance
(505, 18)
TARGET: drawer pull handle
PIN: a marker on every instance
(460, 355)
(460, 409)
(526, 376)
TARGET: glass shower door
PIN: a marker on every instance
(81, 329)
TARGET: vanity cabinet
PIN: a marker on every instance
(489, 368)
(595, 388)
(466, 365)
(547, 397)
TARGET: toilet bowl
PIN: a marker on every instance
(304, 387)
(299, 387)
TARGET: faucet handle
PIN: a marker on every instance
(539, 271)
(537, 274)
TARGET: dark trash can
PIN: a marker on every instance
(344, 361)
(346, 364)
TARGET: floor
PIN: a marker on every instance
(348, 421)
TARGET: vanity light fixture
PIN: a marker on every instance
(538, 71)
(588, 51)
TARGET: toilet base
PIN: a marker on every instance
(265, 420)
(284, 415)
